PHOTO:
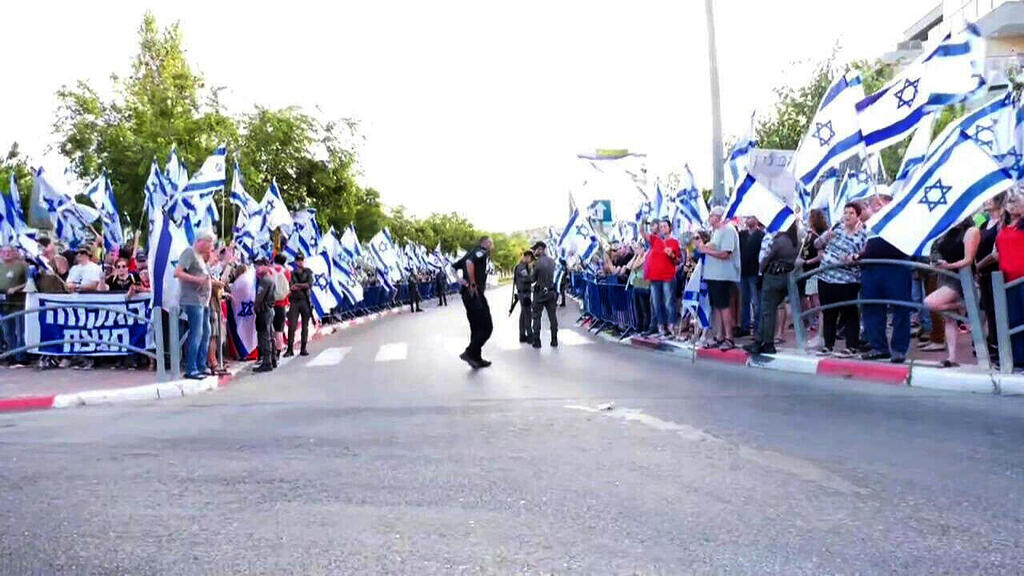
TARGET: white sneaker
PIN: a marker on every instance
(816, 342)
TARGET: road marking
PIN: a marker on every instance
(392, 352)
(329, 357)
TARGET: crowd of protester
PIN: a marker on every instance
(747, 274)
(204, 272)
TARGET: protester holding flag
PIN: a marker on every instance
(196, 286)
(722, 273)
(841, 244)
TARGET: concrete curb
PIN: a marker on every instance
(162, 390)
(955, 381)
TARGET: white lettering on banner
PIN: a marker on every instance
(83, 318)
(109, 340)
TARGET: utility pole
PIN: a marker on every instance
(717, 152)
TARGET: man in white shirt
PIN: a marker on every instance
(85, 275)
(722, 274)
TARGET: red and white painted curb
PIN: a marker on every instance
(163, 390)
(911, 374)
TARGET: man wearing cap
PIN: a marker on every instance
(545, 294)
(722, 268)
(522, 275)
(300, 305)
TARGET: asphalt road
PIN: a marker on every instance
(382, 453)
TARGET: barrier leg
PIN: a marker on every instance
(1002, 323)
(974, 316)
(797, 308)
(174, 341)
(157, 324)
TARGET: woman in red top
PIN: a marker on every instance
(1010, 252)
(661, 270)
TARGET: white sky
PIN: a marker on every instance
(474, 106)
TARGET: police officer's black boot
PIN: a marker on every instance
(554, 341)
(536, 341)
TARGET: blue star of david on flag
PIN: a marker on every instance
(939, 199)
(581, 229)
(321, 282)
(824, 133)
(985, 135)
(1012, 160)
(907, 93)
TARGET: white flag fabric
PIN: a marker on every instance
(991, 127)
(175, 173)
(321, 291)
(834, 133)
(692, 209)
(167, 241)
(738, 163)
(197, 201)
(949, 73)
(242, 314)
(305, 236)
(578, 237)
(915, 154)
(946, 189)
(157, 191)
(754, 199)
(385, 257)
(342, 275)
(350, 244)
(695, 295)
(12, 222)
(275, 213)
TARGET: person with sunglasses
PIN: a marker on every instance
(121, 279)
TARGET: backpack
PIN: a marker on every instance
(281, 287)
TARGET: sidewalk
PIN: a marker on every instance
(29, 388)
(921, 370)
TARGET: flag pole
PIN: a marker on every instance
(717, 152)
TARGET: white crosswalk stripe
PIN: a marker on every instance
(392, 352)
(329, 357)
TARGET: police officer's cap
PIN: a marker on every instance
(539, 245)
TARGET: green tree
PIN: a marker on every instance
(18, 165)
(507, 249)
(794, 110)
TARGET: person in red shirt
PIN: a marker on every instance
(661, 271)
(1010, 252)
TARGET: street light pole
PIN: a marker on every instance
(717, 152)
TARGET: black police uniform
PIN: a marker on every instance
(300, 305)
(477, 310)
(264, 308)
(441, 282)
(545, 297)
(414, 294)
(524, 289)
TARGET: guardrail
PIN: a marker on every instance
(1004, 331)
(965, 277)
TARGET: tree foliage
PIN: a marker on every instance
(794, 110)
(14, 163)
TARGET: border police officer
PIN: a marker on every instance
(523, 277)
(474, 282)
(545, 294)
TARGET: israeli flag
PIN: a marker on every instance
(52, 194)
(754, 199)
(738, 163)
(175, 173)
(248, 207)
(157, 190)
(321, 292)
(305, 236)
(916, 152)
(1018, 138)
(950, 73)
(113, 233)
(823, 200)
(241, 316)
(692, 209)
(385, 257)
(857, 185)
(275, 214)
(834, 133)
(197, 201)
(167, 241)
(991, 127)
(343, 277)
(945, 190)
(695, 295)
(578, 237)
(350, 244)
(11, 215)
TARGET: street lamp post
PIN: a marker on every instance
(718, 169)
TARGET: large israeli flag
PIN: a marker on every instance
(275, 213)
(991, 127)
(350, 243)
(385, 257)
(345, 284)
(241, 316)
(157, 190)
(305, 236)
(101, 194)
(738, 163)
(949, 73)
(578, 237)
(12, 223)
(946, 189)
(321, 292)
(823, 199)
(834, 133)
(175, 173)
(695, 295)
(754, 199)
(1018, 140)
(167, 241)
(692, 209)
(197, 201)
(916, 152)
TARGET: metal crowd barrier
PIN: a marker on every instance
(608, 302)
(1007, 333)
(965, 276)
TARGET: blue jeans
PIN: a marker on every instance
(663, 307)
(197, 345)
(14, 336)
(750, 303)
(917, 295)
(886, 283)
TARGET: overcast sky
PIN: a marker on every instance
(475, 106)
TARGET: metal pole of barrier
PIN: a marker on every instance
(1002, 326)
(174, 342)
(974, 316)
(157, 324)
(798, 319)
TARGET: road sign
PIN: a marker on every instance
(601, 210)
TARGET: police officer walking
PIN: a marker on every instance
(441, 283)
(523, 282)
(300, 305)
(545, 294)
(473, 282)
